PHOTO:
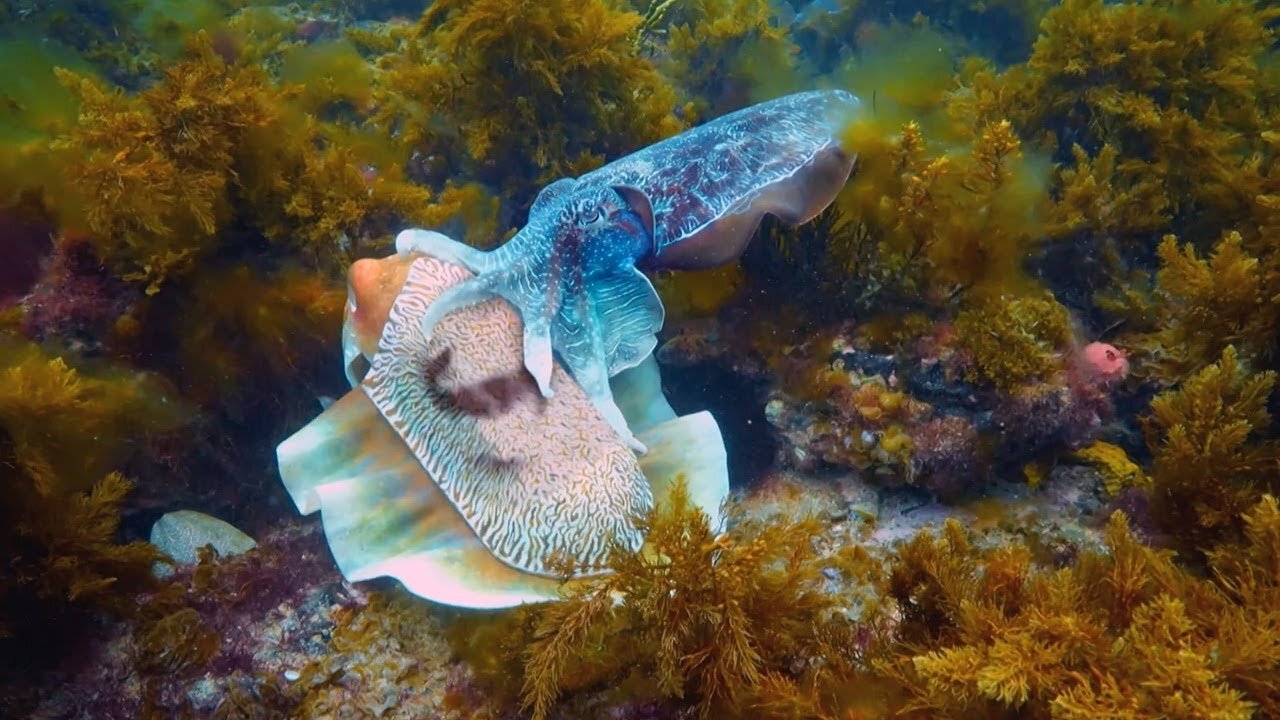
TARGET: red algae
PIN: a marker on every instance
(26, 243)
(76, 297)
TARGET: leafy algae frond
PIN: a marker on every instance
(1014, 341)
(1206, 304)
(1212, 454)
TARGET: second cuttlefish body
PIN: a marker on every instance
(445, 468)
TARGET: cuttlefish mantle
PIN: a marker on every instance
(447, 469)
(689, 202)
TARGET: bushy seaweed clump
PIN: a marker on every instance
(1014, 341)
(723, 54)
(1213, 453)
(521, 94)
(950, 220)
(1205, 305)
(1176, 90)
(159, 177)
(63, 433)
(699, 615)
(1159, 115)
(735, 624)
(1202, 58)
(1123, 632)
(152, 169)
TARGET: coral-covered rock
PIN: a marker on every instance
(948, 457)
(1041, 419)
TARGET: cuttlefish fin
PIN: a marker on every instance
(688, 448)
(629, 313)
(384, 516)
(638, 392)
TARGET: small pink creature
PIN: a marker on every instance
(1105, 363)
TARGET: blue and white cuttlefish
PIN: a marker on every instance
(691, 201)
(478, 444)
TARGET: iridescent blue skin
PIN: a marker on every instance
(691, 201)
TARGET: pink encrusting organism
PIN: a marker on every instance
(1104, 363)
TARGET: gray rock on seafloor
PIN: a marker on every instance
(181, 534)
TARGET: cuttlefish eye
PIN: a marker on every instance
(590, 215)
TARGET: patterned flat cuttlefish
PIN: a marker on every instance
(445, 468)
(689, 202)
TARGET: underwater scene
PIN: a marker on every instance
(639, 359)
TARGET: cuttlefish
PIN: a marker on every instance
(446, 468)
(692, 201)
(486, 449)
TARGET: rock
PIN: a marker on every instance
(862, 499)
(181, 534)
(204, 694)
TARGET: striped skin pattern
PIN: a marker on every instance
(542, 478)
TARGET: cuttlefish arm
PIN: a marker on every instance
(690, 202)
(571, 274)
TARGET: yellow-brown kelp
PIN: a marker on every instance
(1096, 73)
(63, 433)
(953, 628)
(703, 616)
(1122, 632)
(523, 93)
(725, 54)
(1159, 113)
(1204, 305)
(159, 175)
(1011, 342)
(1213, 453)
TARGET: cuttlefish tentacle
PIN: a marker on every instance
(689, 202)
(599, 313)
(525, 287)
(538, 358)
